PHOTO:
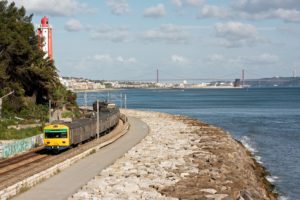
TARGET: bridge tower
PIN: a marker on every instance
(157, 76)
(44, 32)
(243, 78)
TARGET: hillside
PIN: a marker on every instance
(24, 70)
(274, 82)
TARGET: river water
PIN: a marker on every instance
(265, 120)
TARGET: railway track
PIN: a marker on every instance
(13, 170)
(9, 167)
(17, 168)
(18, 158)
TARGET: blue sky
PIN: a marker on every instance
(130, 39)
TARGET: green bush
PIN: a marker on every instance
(35, 112)
(9, 134)
(67, 114)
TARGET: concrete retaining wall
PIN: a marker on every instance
(19, 146)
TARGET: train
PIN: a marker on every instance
(61, 135)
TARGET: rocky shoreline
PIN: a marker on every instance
(181, 158)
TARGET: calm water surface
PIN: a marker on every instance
(267, 121)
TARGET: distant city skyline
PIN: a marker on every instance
(184, 39)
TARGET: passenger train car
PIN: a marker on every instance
(59, 135)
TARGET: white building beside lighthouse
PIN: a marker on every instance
(45, 37)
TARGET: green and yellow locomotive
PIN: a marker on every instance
(60, 135)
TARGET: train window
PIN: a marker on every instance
(63, 135)
(56, 134)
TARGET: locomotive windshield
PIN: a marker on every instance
(56, 134)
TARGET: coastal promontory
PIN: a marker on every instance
(181, 158)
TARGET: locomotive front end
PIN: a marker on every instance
(56, 137)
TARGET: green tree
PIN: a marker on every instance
(23, 67)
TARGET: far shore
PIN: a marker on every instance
(153, 88)
(96, 90)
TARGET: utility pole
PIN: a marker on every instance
(157, 76)
(98, 125)
(243, 78)
(1, 101)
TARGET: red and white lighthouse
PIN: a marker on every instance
(45, 37)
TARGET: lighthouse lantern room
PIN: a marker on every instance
(44, 32)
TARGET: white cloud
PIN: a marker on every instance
(283, 14)
(156, 11)
(53, 7)
(118, 7)
(256, 6)
(177, 59)
(73, 25)
(177, 3)
(170, 28)
(109, 59)
(251, 60)
(194, 2)
(168, 33)
(235, 30)
(103, 58)
(236, 34)
(111, 34)
(180, 3)
(287, 10)
(213, 11)
(126, 60)
(287, 15)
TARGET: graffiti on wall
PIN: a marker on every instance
(19, 146)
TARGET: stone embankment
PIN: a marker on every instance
(181, 158)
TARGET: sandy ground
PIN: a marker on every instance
(181, 158)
